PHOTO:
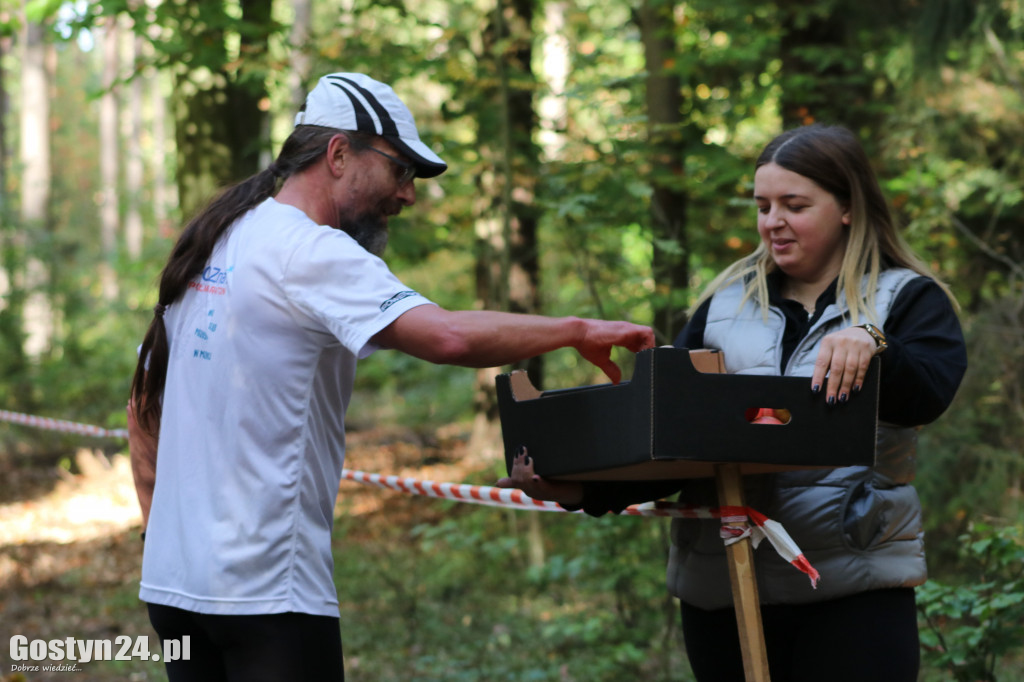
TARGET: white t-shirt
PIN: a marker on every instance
(252, 437)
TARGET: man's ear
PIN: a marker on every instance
(338, 149)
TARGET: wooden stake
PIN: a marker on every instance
(740, 557)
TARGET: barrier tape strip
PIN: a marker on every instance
(61, 425)
(734, 519)
(509, 497)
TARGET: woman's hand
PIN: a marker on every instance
(523, 478)
(844, 357)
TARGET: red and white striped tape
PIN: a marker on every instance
(475, 494)
(61, 425)
(516, 499)
(765, 528)
(506, 497)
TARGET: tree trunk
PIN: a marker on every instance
(165, 192)
(522, 167)
(665, 133)
(5, 223)
(5, 44)
(35, 138)
(508, 271)
(110, 155)
(557, 63)
(299, 73)
(12, 247)
(31, 284)
(133, 230)
(219, 122)
(818, 83)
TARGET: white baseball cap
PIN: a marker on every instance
(354, 101)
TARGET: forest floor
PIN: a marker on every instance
(71, 554)
(430, 590)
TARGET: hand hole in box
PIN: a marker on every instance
(772, 416)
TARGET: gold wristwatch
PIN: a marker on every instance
(880, 343)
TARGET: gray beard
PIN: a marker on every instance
(368, 233)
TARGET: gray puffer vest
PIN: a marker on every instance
(860, 527)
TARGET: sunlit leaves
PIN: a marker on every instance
(38, 11)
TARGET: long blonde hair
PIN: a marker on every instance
(833, 158)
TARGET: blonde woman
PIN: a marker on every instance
(830, 286)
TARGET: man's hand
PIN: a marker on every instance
(487, 338)
(600, 336)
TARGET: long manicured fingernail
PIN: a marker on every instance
(843, 398)
(831, 400)
(521, 451)
(856, 389)
(527, 460)
(815, 388)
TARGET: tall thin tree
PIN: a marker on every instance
(507, 270)
(110, 156)
(5, 42)
(36, 183)
(298, 55)
(165, 192)
(667, 143)
(134, 166)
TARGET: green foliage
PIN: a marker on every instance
(955, 183)
(194, 35)
(944, 133)
(84, 372)
(38, 11)
(973, 451)
(973, 624)
(455, 596)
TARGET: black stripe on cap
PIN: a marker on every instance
(364, 121)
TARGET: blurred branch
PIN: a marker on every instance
(997, 47)
(1014, 267)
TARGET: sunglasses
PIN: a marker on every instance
(408, 169)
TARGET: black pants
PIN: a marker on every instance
(862, 638)
(271, 648)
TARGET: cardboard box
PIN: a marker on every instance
(677, 417)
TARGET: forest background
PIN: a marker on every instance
(600, 157)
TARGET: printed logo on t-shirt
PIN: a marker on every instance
(212, 277)
(396, 298)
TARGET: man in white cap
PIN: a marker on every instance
(266, 303)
